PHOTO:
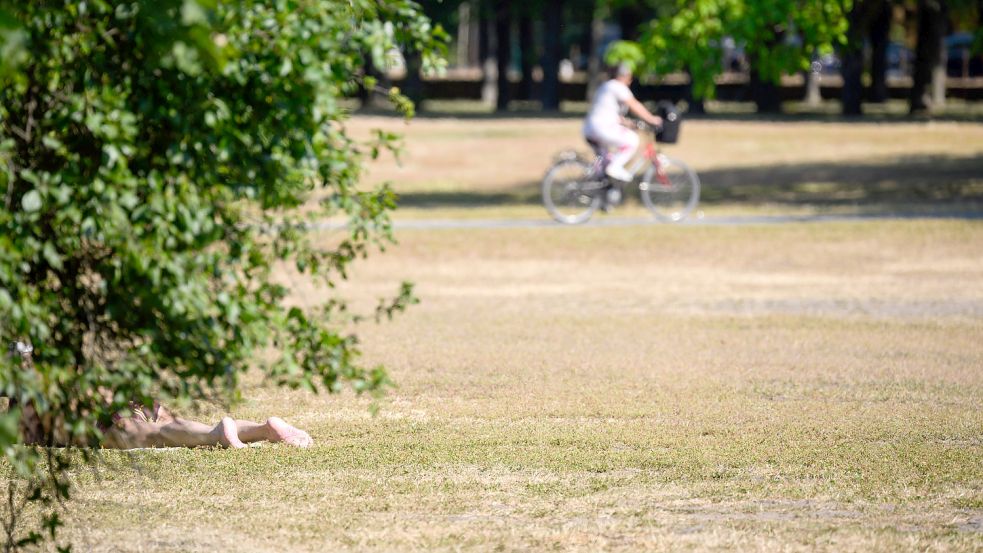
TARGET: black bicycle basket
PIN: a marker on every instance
(671, 120)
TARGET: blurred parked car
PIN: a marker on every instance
(962, 61)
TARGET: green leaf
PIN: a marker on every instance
(51, 142)
(31, 201)
(129, 200)
(51, 255)
(192, 13)
(625, 51)
(13, 39)
(9, 424)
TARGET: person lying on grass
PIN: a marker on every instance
(140, 427)
(158, 427)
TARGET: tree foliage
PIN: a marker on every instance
(152, 155)
(779, 36)
(626, 52)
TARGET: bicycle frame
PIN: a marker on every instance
(650, 152)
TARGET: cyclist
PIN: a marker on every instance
(605, 126)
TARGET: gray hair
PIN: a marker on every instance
(622, 69)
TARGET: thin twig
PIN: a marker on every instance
(29, 128)
(21, 133)
(10, 523)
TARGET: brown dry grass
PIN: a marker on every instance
(793, 387)
(784, 387)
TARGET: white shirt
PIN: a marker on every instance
(610, 104)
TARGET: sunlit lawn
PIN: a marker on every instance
(793, 386)
(773, 387)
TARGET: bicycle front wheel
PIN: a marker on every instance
(569, 195)
(671, 190)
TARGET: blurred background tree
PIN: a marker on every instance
(533, 54)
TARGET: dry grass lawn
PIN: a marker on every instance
(759, 388)
(786, 387)
(492, 168)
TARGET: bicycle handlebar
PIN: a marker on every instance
(643, 126)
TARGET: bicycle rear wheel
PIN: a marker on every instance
(672, 191)
(569, 194)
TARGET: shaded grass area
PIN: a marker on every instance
(915, 181)
(638, 388)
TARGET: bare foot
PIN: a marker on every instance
(280, 431)
(227, 434)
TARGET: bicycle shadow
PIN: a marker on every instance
(939, 182)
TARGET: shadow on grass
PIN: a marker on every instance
(937, 182)
(525, 194)
(920, 179)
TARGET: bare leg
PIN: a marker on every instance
(185, 433)
(274, 429)
(133, 433)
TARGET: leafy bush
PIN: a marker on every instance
(152, 153)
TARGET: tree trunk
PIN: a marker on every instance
(879, 31)
(853, 87)
(694, 105)
(813, 82)
(852, 57)
(488, 71)
(928, 53)
(413, 84)
(551, 55)
(503, 52)
(629, 17)
(474, 33)
(527, 51)
(365, 93)
(813, 78)
(595, 66)
(765, 93)
(484, 37)
(463, 34)
(939, 71)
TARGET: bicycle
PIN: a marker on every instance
(575, 187)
